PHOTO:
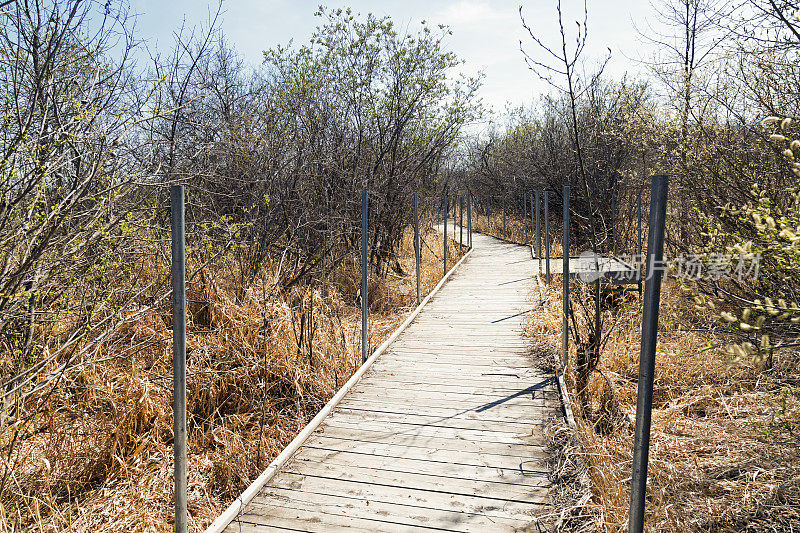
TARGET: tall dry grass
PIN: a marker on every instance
(260, 364)
(724, 453)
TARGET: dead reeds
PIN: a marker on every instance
(260, 363)
(724, 452)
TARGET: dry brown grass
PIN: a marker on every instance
(725, 453)
(99, 455)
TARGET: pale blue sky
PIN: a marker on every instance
(486, 33)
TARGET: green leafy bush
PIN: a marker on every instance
(761, 312)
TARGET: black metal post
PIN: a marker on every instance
(446, 212)
(460, 223)
(525, 215)
(504, 215)
(538, 231)
(647, 354)
(416, 245)
(547, 236)
(597, 307)
(639, 240)
(176, 201)
(364, 277)
(488, 220)
(565, 281)
(533, 244)
(613, 220)
(469, 218)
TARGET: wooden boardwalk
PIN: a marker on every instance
(443, 432)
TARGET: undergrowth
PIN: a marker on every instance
(724, 452)
(261, 362)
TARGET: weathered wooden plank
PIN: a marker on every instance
(400, 514)
(476, 383)
(446, 470)
(415, 419)
(458, 356)
(468, 392)
(526, 397)
(531, 491)
(300, 519)
(531, 445)
(425, 432)
(498, 412)
(456, 345)
(239, 525)
(457, 367)
(531, 462)
(531, 417)
(508, 379)
(456, 359)
(473, 387)
(431, 499)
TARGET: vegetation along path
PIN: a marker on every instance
(444, 431)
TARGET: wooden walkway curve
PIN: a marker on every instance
(443, 432)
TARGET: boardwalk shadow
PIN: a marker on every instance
(516, 280)
(529, 390)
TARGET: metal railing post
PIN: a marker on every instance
(416, 245)
(446, 212)
(597, 307)
(639, 239)
(547, 236)
(613, 220)
(504, 215)
(533, 244)
(364, 277)
(565, 281)
(460, 223)
(525, 215)
(469, 218)
(647, 354)
(176, 202)
(538, 232)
